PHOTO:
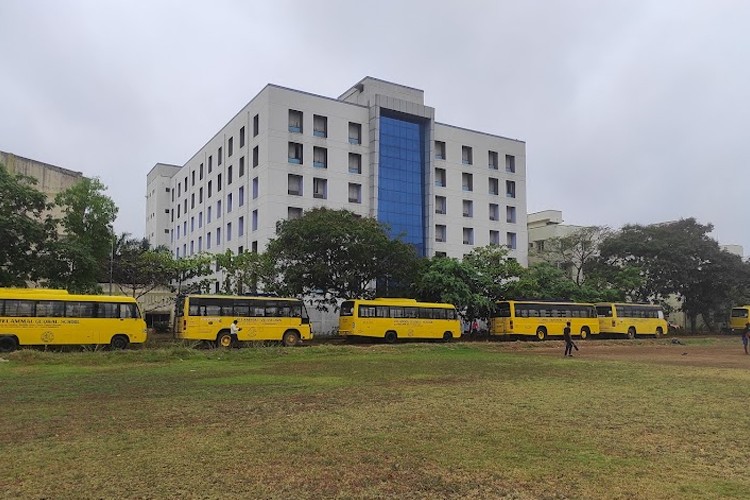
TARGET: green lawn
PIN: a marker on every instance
(405, 421)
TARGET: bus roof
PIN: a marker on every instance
(400, 302)
(240, 297)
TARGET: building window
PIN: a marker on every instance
(492, 160)
(192, 178)
(440, 233)
(230, 147)
(320, 157)
(320, 126)
(293, 213)
(210, 163)
(440, 204)
(441, 254)
(241, 196)
(255, 220)
(295, 153)
(295, 121)
(192, 201)
(229, 175)
(200, 195)
(218, 236)
(200, 172)
(229, 231)
(241, 226)
(255, 188)
(208, 241)
(511, 240)
(179, 208)
(295, 185)
(440, 177)
(355, 193)
(494, 237)
(192, 248)
(510, 164)
(229, 203)
(219, 157)
(208, 216)
(178, 231)
(494, 211)
(510, 214)
(355, 133)
(468, 236)
(218, 209)
(200, 243)
(439, 150)
(467, 182)
(468, 208)
(200, 220)
(256, 125)
(256, 155)
(510, 189)
(494, 186)
(209, 189)
(355, 163)
(179, 189)
(218, 183)
(467, 155)
(320, 188)
(254, 247)
(242, 137)
(242, 166)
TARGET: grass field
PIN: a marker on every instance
(645, 419)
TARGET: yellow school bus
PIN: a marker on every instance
(739, 318)
(394, 319)
(631, 320)
(209, 318)
(542, 319)
(37, 316)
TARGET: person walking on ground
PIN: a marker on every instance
(234, 330)
(568, 340)
(746, 336)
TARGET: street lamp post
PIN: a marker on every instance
(112, 260)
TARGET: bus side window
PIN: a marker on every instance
(50, 309)
(397, 312)
(19, 308)
(382, 312)
(127, 311)
(79, 309)
(107, 310)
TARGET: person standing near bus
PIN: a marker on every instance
(568, 340)
(746, 336)
(233, 330)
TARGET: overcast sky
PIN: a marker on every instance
(632, 111)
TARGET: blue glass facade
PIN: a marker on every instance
(401, 201)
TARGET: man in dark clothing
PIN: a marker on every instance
(568, 340)
(746, 336)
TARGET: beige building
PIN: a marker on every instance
(543, 226)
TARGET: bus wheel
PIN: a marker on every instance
(584, 333)
(290, 338)
(659, 332)
(631, 333)
(390, 337)
(541, 333)
(119, 342)
(224, 339)
(447, 337)
(8, 344)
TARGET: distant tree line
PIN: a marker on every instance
(329, 255)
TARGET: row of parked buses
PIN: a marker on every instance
(55, 317)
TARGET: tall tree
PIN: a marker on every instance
(25, 229)
(445, 279)
(86, 246)
(575, 251)
(246, 272)
(137, 269)
(334, 254)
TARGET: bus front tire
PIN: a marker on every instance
(8, 344)
(119, 342)
(447, 337)
(224, 339)
(585, 333)
(390, 337)
(290, 338)
(631, 333)
(659, 332)
(541, 333)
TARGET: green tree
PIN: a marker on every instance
(494, 275)
(243, 273)
(330, 255)
(137, 269)
(25, 229)
(190, 274)
(575, 251)
(445, 279)
(84, 250)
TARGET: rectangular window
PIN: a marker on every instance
(179, 208)
(494, 237)
(179, 189)
(494, 186)
(510, 214)
(229, 175)
(320, 157)
(255, 188)
(510, 189)
(200, 243)
(468, 208)
(492, 160)
(242, 137)
(229, 231)
(355, 133)
(192, 201)
(192, 248)
(320, 188)
(255, 220)
(293, 213)
(295, 153)
(192, 224)
(218, 209)
(256, 156)
(355, 163)
(320, 126)
(200, 195)
(511, 240)
(218, 183)
(241, 226)
(192, 178)
(208, 241)
(242, 166)
(208, 216)
(200, 220)
(229, 203)
(355, 193)
(467, 182)
(230, 147)
(295, 185)
(256, 125)
(440, 177)
(218, 236)
(510, 164)
(295, 121)
(440, 204)
(440, 233)
(467, 155)
(254, 247)
(494, 211)
(200, 172)
(209, 189)
(468, 236)
(210, 163)
(439, 150)
(241, 196)
(219, 157)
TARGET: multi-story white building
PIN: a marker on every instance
(376, 150)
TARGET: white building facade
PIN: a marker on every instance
(376, 151)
